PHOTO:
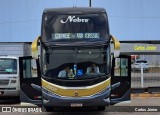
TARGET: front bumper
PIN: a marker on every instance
(9, 92)
(95, 100)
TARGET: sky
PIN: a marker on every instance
(20, 20)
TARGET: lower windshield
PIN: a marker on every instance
(8, 66)
(75, 63)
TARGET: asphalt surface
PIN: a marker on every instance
(136, 102)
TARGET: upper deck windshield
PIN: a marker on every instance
(61, 27)
(76, 63)
(8, 66)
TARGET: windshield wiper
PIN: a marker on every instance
(5, 71)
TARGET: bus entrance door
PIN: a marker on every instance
(30, 80)
(121, 79)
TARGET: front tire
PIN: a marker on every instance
(17, 99)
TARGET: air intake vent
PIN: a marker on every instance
(4, 82)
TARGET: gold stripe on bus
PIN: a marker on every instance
(76, 91)
(34, 48)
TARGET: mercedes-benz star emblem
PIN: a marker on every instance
(76, 93)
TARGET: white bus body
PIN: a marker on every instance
(9, 76)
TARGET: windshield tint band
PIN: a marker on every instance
(66, 27)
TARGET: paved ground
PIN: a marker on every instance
(137, 102)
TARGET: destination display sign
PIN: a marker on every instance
(57, 36)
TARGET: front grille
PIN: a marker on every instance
(4, 82)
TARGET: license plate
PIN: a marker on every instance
(76, 104)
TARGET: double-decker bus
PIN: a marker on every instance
(76, 67)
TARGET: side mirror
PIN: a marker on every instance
(116, 46)
(34, 48)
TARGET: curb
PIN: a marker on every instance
(146, 95)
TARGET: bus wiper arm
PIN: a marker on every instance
(7, 72)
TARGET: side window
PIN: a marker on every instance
(29, 68)
(121, 67)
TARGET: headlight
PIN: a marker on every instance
(47, 91)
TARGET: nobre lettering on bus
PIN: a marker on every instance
(74, 19)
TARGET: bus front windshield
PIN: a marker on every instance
(75, 63)
(8, 66)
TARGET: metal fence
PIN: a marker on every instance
(142, 78)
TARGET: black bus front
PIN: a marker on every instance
(75, 58)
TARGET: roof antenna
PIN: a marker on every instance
(75, 3)
(90, 3)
